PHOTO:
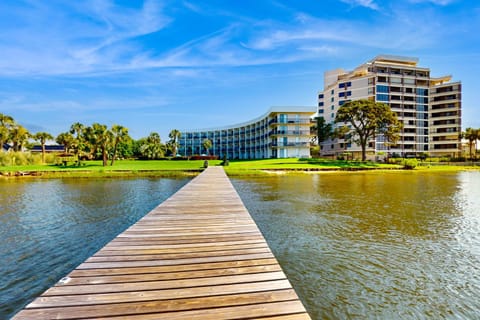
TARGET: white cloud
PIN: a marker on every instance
(362, 3)
(76, 38)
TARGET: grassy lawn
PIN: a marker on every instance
(182, 167)
(95, 168)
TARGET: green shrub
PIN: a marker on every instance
(410, 164)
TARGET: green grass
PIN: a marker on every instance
(120, 168)
(127, 168)
(262, 167)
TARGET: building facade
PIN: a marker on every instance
(430, 108)
(283, 132)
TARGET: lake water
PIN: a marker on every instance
(354, 245)
(375, 246)
(48, 227)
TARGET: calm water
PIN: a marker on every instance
(375, 246)
(355, 246)
(48, 227)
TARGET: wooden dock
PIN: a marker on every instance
(198, 255)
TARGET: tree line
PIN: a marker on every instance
(96, 141)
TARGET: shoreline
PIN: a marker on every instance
(236, 172)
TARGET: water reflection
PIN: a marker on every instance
(48, 227)
(371, 245)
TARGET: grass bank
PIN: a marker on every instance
(172, 168)
(123, 168)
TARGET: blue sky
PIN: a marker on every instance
(158, 65)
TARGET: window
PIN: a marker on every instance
(382, 89)
(422, 100)
(332, 92)
(345, 85)
(320, 104)
(349, 93)
(382, 97)
(341, 94)
(320, 96)
(395, 80)
(332, 107)
(422, 92)
(320, 110)
(332, 99)
(342, 102)
(332, 115)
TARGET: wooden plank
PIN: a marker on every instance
(198, 255)
(158, 307)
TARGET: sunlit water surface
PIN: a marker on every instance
(375, 246)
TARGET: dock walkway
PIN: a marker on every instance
(198, 255)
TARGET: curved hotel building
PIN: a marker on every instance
(282, 132)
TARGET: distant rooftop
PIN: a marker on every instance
(395, 59)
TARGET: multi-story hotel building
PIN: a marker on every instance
(430, 108)
(283, 132)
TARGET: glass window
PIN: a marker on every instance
(320, 96)
(320, 104)
(422, 92)
(382, 97)
(320, 111)
(341, 85)
(349, 93)
(341, 94)
(332, 92)
(382, 89)
(342, 102)
(332, 107)
(332, 99)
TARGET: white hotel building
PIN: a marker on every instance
(282, 132)
(430, 108)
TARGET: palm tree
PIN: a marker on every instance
(472, 135)
(207, 144)
(174, 136)
(120, 134)
(42, 137)
(102, 138)
(19, 135)
(6, 123)
(65, 139)
(152, 148)
(78, 129)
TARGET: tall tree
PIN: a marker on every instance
(207, 144)
(152, 147)
(78, 144)
(323, 130)
(368, 119)
(120, 134)
(174, 136)
(102, 138)
(472, 135)
(42, 137)
(19, 136)
(6, 123)
(65, 139)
